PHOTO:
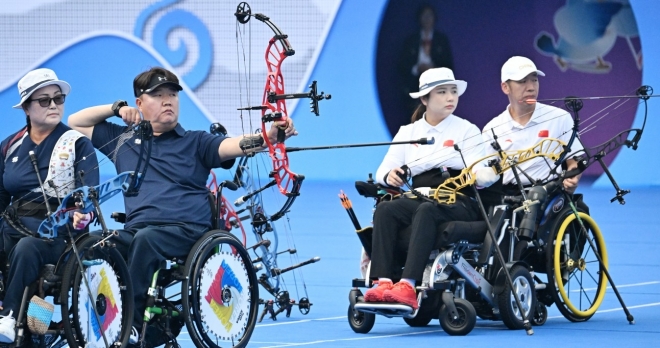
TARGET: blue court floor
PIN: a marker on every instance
(321, 227)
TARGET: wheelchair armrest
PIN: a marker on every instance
(372, 190)
(366, 189)
(119, 217)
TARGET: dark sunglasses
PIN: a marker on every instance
(45, 101)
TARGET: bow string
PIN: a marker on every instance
(273, 108)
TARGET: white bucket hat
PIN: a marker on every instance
(433, 78)
(516, 68)
(36, 79)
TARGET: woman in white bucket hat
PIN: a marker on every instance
(428, 166)
(59, 154)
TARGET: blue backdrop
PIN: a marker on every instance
(346, 68)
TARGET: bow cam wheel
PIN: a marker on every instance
(304, 305)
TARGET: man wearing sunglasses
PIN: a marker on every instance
(58, 154)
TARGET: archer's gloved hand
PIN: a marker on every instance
(80, 220)
(486, 176)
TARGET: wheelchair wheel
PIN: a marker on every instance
(222, 292)
(576, 280)
(540, 314)
(110, 296)
(463, 325)
(523, 285)
(360, 322)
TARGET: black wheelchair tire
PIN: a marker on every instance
(506, 302)
(540, 314)
(202, 252)
(72, 281)
(360, 322)
(464, 324)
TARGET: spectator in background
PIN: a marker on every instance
(425, 49)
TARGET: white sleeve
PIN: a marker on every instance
(395, 157)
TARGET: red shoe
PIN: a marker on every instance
(376, 294)
(402, 292)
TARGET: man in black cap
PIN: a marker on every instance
(171, 211)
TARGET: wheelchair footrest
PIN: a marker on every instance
(48, 274)
(88, 263)
(389, 310)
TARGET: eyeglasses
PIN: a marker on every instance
(45, 101)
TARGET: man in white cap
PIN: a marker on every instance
(525, 122)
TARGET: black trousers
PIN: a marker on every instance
(392, 236)
(146, 246)
(26, 256)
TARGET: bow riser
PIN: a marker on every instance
(548, 148)
(83, 196)
(275, 110)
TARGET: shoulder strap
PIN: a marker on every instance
(14, 143)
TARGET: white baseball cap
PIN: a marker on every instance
(516, 68)
(36, 79)
(433, 78)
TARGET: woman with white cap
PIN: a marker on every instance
(45, 150)
(428, 166)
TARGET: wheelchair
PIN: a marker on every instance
(566, 246)
(213, 292)
(548, 239)
(95, 297)
(464, 257)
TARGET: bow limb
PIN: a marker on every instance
(596, 153)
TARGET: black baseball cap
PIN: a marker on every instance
(156, 81)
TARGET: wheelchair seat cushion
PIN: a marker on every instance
(454, 231)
